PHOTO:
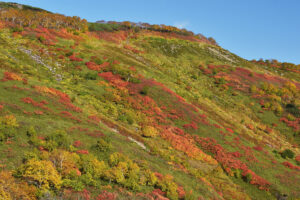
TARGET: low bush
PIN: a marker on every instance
(287, 154)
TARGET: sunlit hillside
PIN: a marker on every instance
(123, 110)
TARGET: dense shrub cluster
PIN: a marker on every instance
(29, 18)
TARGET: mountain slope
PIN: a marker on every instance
(131, 111)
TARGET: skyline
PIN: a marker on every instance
(252, 30)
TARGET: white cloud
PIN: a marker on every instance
(181, 24)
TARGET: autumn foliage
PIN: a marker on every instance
(230, 162)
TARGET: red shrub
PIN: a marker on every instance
(132, 49)
(94, 118)
(185, 144)
(9, 76)
(63, 98)
(41, 148)
(25, 81)
(95, 134)
(297, 158)
(178, 131)
(113, 79)
(28, 100)
(268, 130)
(41, 104)
(192, 125)
(290, 165)
(159, 175)
(132, 68)
(1, 107)
(44, 102)
(92, 66)
(116, 37)
(61, 57)
(236, 154)
(109, 76)
(85, 193)
(217, 126)
(106, 64)
(26, 112)
(82, 151)
(106, 196)
(258, 148)
(77, 143)
(74, 58)
(229, 130)
(67, 114)
(41, 137)
(181, 192)
(38, 112)
(250, 126)
(294, 124)
(158, 194)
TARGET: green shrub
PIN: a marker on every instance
(17, 29)
(221, 81)
(145, 90)
(134, 80)
(247, 178)
(115, 158)
(91, 165)
(123, 71)
(130, 119)
(2, 137)
(60, 138)
(50, 145)
(127, 117)
(8, 125)
(287, 153)
(98, 61)
(293, 109)
(29, 156)
(105, 27)
(74, 184)
(167, 185)
(194, 76)
(253, 88)
(237, 173)
(132, 181)
(91, 76)
(68, 54)
(103, 145)
(41, 38)
(31, 132)
(88, 179)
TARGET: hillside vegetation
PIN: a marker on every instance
(136, 111)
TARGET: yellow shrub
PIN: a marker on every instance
(4, 195)
(149, 131)
(9, 120)
(42, 172)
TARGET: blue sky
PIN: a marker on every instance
(252, 29)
